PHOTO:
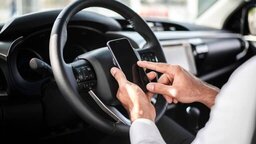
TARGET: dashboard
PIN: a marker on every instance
(197, 49)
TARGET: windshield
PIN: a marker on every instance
(175, 10)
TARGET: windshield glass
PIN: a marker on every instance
(175, 10)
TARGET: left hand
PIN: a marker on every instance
(135, 101)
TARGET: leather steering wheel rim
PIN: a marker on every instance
(64, 75)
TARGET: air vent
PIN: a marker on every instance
(155, 25)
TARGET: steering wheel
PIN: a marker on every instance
(90, 72)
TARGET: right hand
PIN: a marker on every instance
(135, 101)
(176, 84)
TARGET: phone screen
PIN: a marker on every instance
(126, 59)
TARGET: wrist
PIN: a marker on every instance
(137, 113)
(209, 95)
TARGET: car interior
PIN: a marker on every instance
(55, 81)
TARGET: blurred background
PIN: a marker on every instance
(211, 13)
(176, 10)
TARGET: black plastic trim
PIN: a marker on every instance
(26, 24)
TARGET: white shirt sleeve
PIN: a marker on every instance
(232, 118)
(144, 131)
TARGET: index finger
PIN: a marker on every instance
(159, 67)
(118, 75)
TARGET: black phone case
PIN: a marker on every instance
(140, 77)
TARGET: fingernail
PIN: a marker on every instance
(113, 71)
(175, 101)
(139, 62)
(150, 87)
(169, 101)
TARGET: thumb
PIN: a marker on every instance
(118, 75)
(162, 89)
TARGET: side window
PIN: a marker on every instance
(203, 5)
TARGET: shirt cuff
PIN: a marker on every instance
(145, 131)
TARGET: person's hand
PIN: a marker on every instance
(135, 101)
(176, 84)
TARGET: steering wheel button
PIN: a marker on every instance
(86, 77)
(80, 77)
(87, 85)
(83, 68)
(88, 69)
(83, 86)
(153, 60)
(91, 76)
(80, 86)
(92, 84)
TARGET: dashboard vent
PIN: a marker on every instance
(155, 25)
(165, 26)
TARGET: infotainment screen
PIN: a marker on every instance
(180, 54)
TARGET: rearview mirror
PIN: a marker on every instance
(252, 20)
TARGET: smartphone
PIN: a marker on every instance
(125, 58)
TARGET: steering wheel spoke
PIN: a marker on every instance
(84, 75)
(110, 110)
